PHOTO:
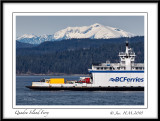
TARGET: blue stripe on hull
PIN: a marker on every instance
(116, 71)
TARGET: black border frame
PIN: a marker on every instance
(59, 1)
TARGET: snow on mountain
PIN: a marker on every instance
(26, 36)
(95, 31)
(32, 39)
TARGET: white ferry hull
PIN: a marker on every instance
(118, 78)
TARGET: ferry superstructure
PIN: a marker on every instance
(123, 76)
(126, 73)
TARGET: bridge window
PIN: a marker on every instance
(123, 62)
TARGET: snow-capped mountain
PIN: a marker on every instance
(27, 36)
(95, 31)
(33, 39)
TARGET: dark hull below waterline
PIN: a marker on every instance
(88, 88)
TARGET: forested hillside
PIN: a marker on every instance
(24, 45)
(73, 56)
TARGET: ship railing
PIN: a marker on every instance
(138, 64)
(40, 84)
(123, 53)
(132, 53)
(115, 64)
(137, 68)
(106, 64)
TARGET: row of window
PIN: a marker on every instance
(138, 68)
(109, 68)
(119, 68)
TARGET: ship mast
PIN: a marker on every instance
(127, 47)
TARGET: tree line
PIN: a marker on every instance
(78, 60)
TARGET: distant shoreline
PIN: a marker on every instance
(52, 74)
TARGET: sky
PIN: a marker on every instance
(39, 25)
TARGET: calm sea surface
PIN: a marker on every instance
(25, 96)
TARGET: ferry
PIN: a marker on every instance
(123, 76)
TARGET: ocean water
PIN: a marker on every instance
(25, 96)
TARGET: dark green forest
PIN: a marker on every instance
(73, 56)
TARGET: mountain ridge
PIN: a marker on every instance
(95, 31)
